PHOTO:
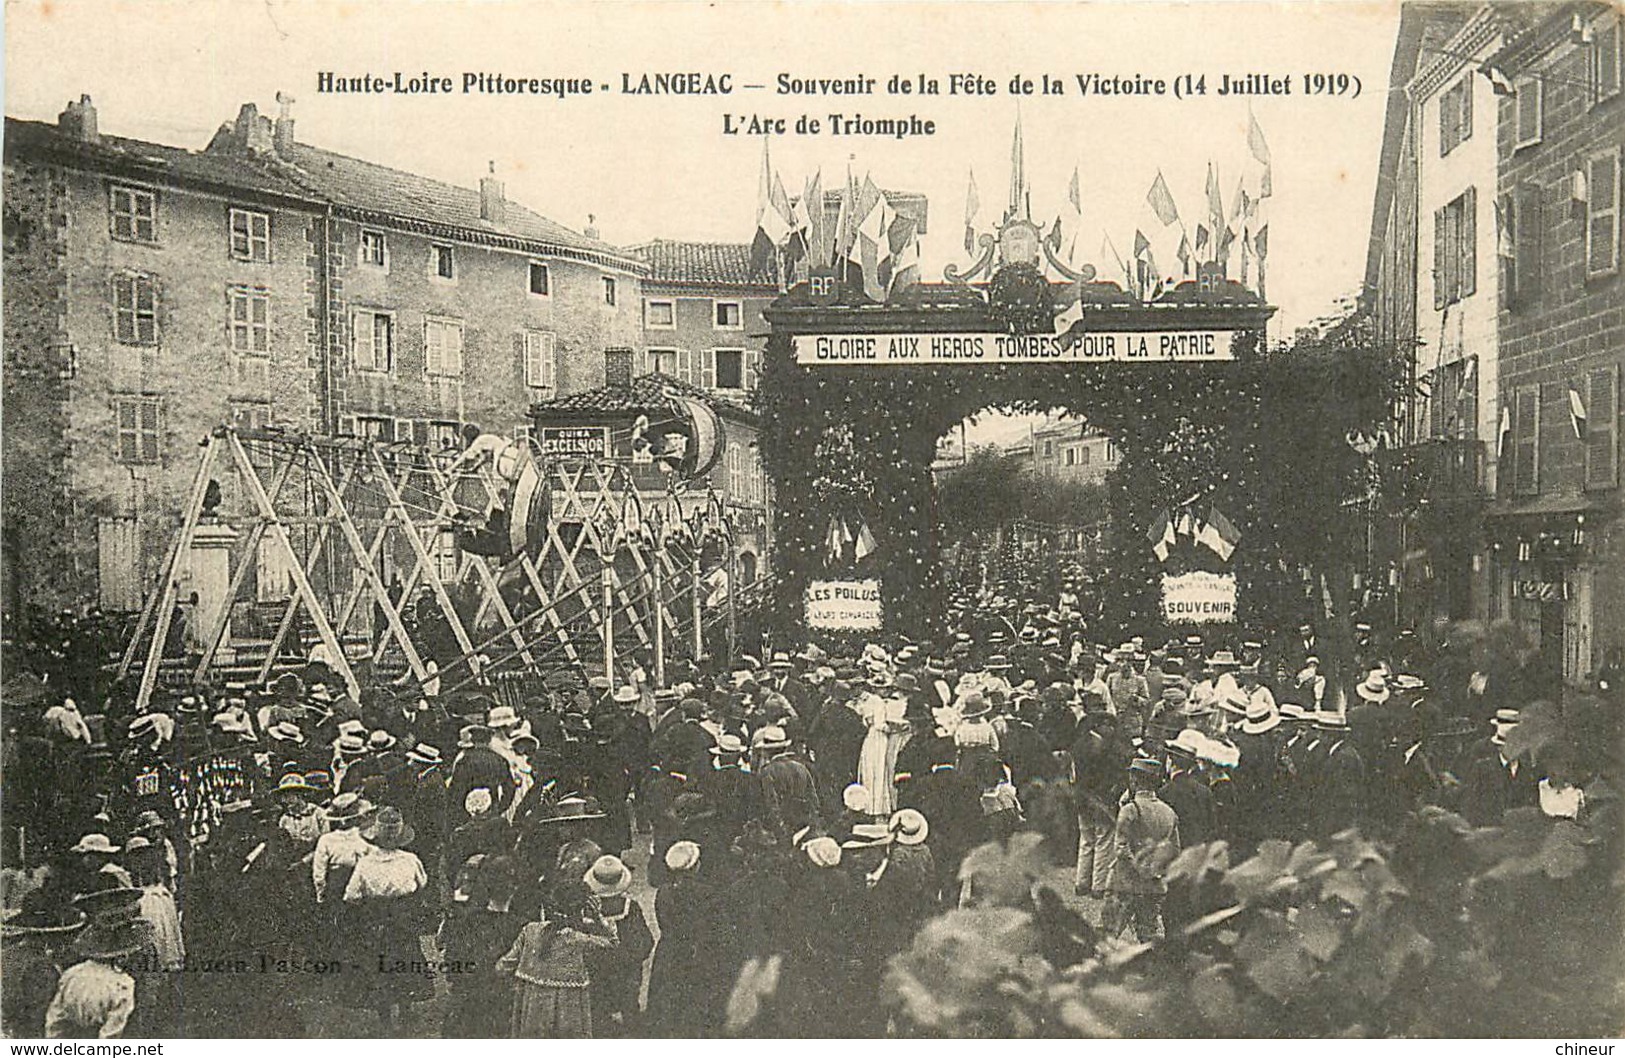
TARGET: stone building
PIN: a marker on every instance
(1556, 527)
(153, 292)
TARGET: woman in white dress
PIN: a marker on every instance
(877, 760)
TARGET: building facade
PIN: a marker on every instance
(1070, 451)
(153, 293)
(1556, 527)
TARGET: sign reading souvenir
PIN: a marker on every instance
(861, 350)
(575, 441)
(1199, 598)
(843, 605)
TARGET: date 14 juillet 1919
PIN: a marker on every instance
(1262, 84)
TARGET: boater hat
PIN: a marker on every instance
(608, 876)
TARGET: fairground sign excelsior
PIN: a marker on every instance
(1124, 346)
(1199, 598)
(844, 605)
(582, 441)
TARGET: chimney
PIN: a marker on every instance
(283, 136)
(591, 230)
(79, 120)
(493, 207)
(618, 367)
(252, 132)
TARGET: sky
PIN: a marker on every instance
(662, 165)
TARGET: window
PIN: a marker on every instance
(135, 309)
(137, 422)
(1455, 250)
(1602, 427)
(1527, 105)
(1603, 60)
(1084, 455)
(250, 236)
(729, 315)
(730, 369)
(374, 251)
(372, 341)
(250, 414)
(1049, 449)
(1518, 245)
(540, 281)
(659, 313)
(664, 362)
(541, 362)
(1456, 115)
(250, 321)
(445, 556)
(445, 436)
(1602, 214)
(1526, 440)
(445, 265)
(443, 348)
(609, 290)
(134, 214)
(375, 427)
(1071, 457)
(1453, 400)
(618, 367)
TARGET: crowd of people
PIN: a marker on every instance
(798, 817)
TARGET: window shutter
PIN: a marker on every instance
(1467, 276)
(1439, 258)
(708, 368)
(532, 363)
(685, 366)
(1526, 232)
(1602, 214)
(1528, 108)
(433, 349)
(1602, 428)
(1526, 431)
(753, 368)
(550, 363)
(1446, 119)
(1465, 132)
(1605, 59)
(361, 349)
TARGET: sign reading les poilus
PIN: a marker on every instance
(867, 350)
(844, 605)
(1199, 598)
(590, 441)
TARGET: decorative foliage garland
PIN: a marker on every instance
(1020, 301)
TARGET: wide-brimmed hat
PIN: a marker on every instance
(155, 723)
(781, 660)
(728, 744)
(909, 826)
(147, 821)
(423, 753)
(974, 705)
(1219, 753)
(501, 717)
(770, 737)
(625, 694)
(813, 654)
(1293, 711)
(682, 856)
(292, 782)
(348, 807)
(1374, 688)
(868, 835)
(1225, 658)
(997, 663)
(388, 829)
(1187, 743)
(855, 797)
(350, 746)
(95, 843)
(138, 843)
(381, 740)
(1260, 718)
(575, 808)
(1330, 719)
(286, 732)
(1146, 766)
(824, 852)
(608, 876)
(319, 779)
(1231, 702)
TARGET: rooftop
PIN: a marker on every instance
(653, 392)
(705, 264)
